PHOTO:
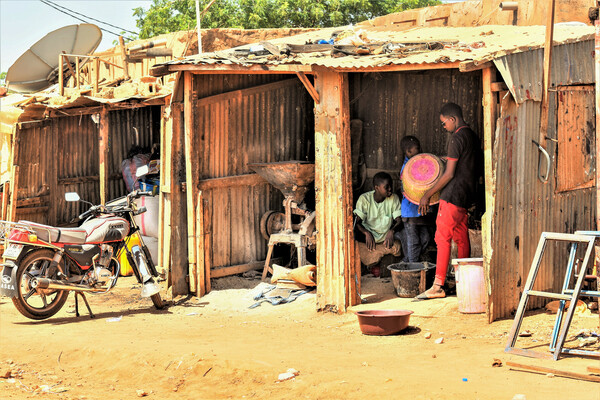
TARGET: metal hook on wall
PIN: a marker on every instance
(543, 178)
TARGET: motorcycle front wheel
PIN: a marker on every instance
(32, 302)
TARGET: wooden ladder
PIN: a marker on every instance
(561, 327)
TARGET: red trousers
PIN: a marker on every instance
(451, 225)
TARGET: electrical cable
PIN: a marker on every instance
(80, 19)
(93, 19)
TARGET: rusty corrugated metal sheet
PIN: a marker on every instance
(483, 43)
(398, 104)
(572, 64)
(263, 126)
(123, 125)
(525, 208)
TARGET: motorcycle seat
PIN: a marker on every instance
(53, 234)
(105, 228)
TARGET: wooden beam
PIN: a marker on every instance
(103, 153)
(12, 211)
(498, 87)
(556, 372)
(309, 86)
(336, 265)
(546, 78)
(231, 181)
(65, 57)
(240, 269)
(76, 77)
(597, 104)
(593, 370)
(5, 202)
(488, 105)
(239, 69)
(469, 66)
(96, 75)
(188, 111)
(208, 252)
(61, 76)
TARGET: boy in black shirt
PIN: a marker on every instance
(458, 185)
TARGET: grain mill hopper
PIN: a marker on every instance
(292, 178)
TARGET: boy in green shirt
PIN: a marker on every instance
(378, 215)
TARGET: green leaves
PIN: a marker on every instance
(165, 16)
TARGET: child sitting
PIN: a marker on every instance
(378, 214)
(415, 235)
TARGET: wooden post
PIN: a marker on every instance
(336, 267)
(12, 210)
(547, 68)
(77, 73)
(96, 74)
(61, 76)
(5, 197)
(103, 149)
(200, 269)
(123, 58)
(489, 105)
(191, 183)
(597, 87)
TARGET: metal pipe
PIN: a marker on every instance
(509, 6)
(45, 283)
(147, 45)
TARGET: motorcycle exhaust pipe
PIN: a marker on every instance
(45, 283)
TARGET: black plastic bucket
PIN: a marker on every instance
(411, 279)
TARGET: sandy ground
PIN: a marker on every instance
(217, 348)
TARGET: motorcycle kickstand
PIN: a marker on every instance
(86, 304)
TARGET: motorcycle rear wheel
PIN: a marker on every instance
(34, 303)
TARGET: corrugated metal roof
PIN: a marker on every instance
(483, 43)
(522, 72)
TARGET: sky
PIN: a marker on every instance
(24, 22)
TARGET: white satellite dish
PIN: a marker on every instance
(37, 68)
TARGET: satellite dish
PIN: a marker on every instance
(37, 68)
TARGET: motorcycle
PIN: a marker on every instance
(44, 263)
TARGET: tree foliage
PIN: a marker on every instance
(165, 16)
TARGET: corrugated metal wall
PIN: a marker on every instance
(61, 155)
(35, 171)
(122, 130)
(397, 104)
(268, 124)
(525, 208)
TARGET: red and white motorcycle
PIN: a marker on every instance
(44, 263)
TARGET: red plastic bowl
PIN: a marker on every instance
(383, 322)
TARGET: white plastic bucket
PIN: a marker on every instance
(470, 285)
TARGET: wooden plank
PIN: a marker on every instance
(188, 111)
(103, 153)
(556, 372)
(469, 66)
(240, 269)
(498, 86)
(61, 76)
(208, 251)
(546, 73)
(96, 74)
(77, 77)
(597, 109)
(12, 211)
(5, 202)
(238, 94)
(231, 181)
(309, 86)
(594, 370)
(200, 251)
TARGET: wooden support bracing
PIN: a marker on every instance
(337, 274)
(103, 156)
(309, 86)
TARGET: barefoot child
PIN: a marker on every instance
(458, 183)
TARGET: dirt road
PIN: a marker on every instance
(217, 348)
